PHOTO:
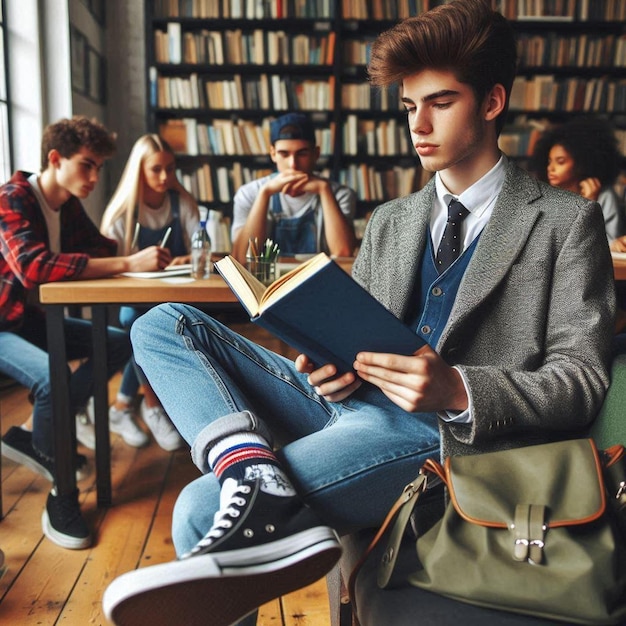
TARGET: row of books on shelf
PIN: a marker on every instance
(563, 10)
(262, 47)
(244, 9)
(264, 92)
(518, 139)
(273, 92)
(558, 10)
(219, 184)
(384, 10)
(547, 49)
(236, 47)
(375, 184)
(545, 92)
(226, 137)
(375, 137)
(356, 96)
(371, 184)
(554, 50)
(357, 51)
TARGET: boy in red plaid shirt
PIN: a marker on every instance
(46, 236)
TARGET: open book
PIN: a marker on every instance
(320, 310)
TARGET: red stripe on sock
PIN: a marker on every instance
(229, 459)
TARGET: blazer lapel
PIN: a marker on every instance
(500, 244)
(411, 231)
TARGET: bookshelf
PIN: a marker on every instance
(220, 70)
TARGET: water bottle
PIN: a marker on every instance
(201, 252)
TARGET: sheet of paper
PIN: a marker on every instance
(168, 272)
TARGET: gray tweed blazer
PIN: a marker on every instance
(532, 323)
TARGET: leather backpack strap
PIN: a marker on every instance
(615, 481)
(402, 508)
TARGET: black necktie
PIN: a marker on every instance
(451, 244)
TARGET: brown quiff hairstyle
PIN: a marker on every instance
(465, 37)
(68, 136)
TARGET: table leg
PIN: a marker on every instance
(64, 427)
(101, 404)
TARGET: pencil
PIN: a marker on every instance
(165, 237)
(252, 246)
(135, 236)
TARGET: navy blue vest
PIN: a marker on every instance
(434, 293)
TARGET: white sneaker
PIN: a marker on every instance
(85, 432)
(121, 422)
(161, 427)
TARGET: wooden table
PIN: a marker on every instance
(212, 294)
(619, 268)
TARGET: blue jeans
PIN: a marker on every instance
(24, 357)
(132, 376)
(348, 460)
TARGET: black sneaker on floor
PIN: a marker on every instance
(63, 523)
(260, 547)
(17, 445)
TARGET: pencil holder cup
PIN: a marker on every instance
(263, 270)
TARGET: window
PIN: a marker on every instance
(5, 139)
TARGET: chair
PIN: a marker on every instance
(609, 427)
(410, 606)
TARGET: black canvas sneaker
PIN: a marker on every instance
(63, 523)
(17, 445)
(260, 547)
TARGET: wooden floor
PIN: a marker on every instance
(45, 584)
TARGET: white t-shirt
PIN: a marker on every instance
(156, 219)
(290, 205)
(53, 218)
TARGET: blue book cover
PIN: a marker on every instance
(320, 310)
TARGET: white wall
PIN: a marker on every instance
(55, 50)
(26, 82)
(126, 77)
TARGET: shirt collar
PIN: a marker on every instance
(477, 197)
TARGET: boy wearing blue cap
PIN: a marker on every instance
(302, 212)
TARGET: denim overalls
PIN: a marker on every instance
(294, 235)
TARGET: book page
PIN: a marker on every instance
(246, 287)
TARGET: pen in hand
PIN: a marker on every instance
(165, 237)
(135, 236)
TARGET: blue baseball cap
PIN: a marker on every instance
(292, 126)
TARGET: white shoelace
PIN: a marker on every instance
(223, 519)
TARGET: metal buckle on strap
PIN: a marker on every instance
(529, 529)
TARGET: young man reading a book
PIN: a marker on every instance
(46, 236)
(512, 291)
(302, 212)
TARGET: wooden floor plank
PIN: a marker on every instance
(307, 607)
